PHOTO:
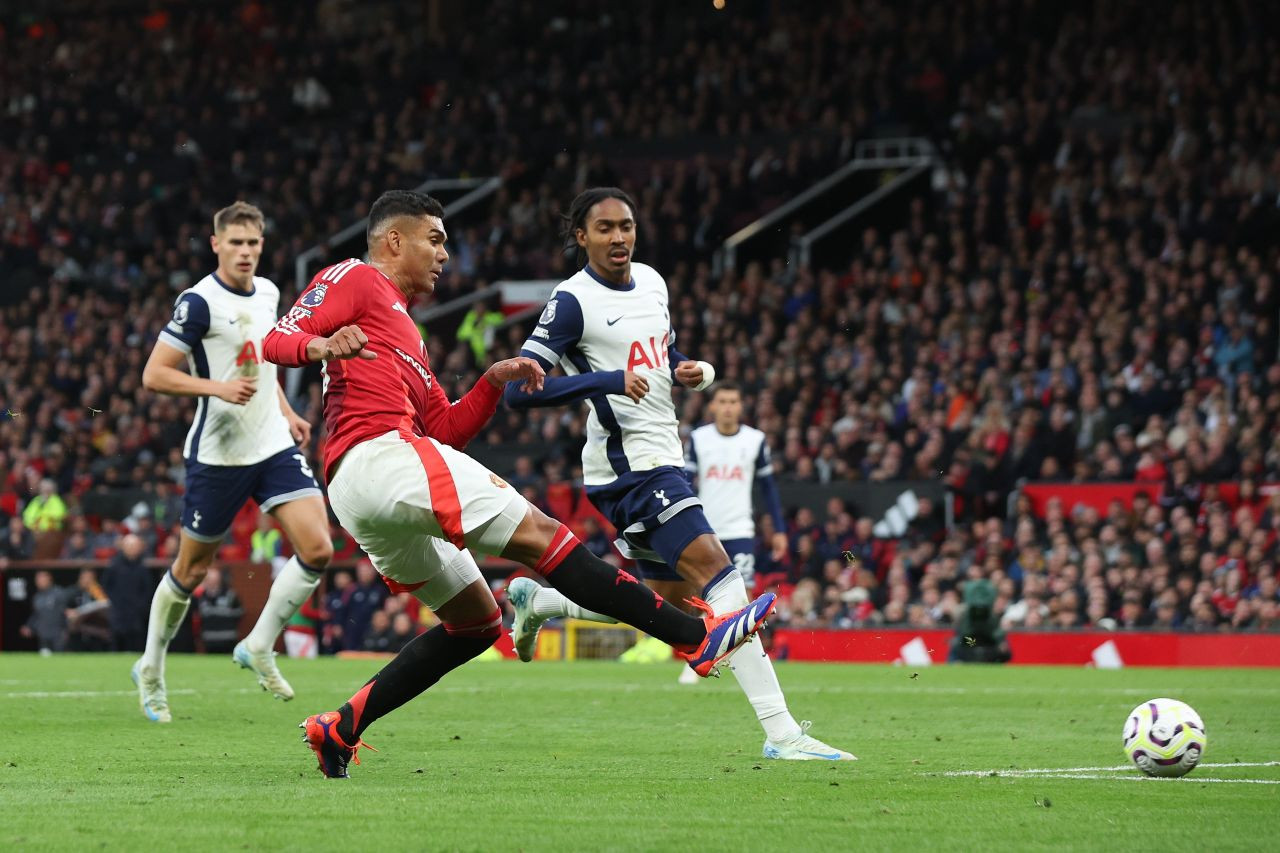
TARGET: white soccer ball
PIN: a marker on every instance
(1164, 737)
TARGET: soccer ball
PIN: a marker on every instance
(1164, 737)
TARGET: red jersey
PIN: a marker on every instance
(366, 398)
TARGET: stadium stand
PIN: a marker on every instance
(1087, 295)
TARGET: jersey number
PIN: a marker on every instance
(745, 564)
(306, 469)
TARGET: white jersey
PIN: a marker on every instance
(726, 467)
(221, 332)
(592, 326)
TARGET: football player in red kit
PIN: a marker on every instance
(401, 485)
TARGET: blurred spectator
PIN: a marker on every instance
(477, 329)
(48, 620)
(979, 637)
(267, 544)
(367, 596)
(335, 607)
(129, 585)
(46, 512)
(220, 611)
(378, 636)
(402, 631)
(89, 616)
(19, 542)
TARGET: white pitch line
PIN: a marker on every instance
(1188, 779)
(1040, 771)
(93, 694)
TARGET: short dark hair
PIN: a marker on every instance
(577, 216)
(726, 385)
(393, 203)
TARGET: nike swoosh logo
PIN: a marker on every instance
(614, 320)
(834, 756)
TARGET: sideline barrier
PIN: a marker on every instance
(1104, 649)
(1100, 495)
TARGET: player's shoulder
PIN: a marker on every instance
(643, 274)
(349, 276)
(704, 431)
(201, 297)
(262, 284)
(206, 288)
(566, 300)
(350, 270)
(574, 285)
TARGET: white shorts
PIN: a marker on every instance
(413, 506)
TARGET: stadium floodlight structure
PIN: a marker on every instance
(827, 203)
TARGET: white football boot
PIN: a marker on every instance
(802, 747)
(151, 693)
(521, 592)
(264, 666)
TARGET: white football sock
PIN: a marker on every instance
(550, 603)
(289, 590)
(751, 666)
(168, 608)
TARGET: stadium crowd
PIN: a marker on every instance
(1089, 294)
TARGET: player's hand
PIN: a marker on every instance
(25, 631)
(347, 342)
(299, 428)
(239, 390)
(514, 369)
(688, 373)
(634, 385)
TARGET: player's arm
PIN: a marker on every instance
(185, 332)
(769, 491)
(299, 428)
(455, 424)
(559, 329)
(697, 375)
(320, 326)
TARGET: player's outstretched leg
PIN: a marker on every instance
(547, 547)
(334, 736)
(784, 737)
(534, 604)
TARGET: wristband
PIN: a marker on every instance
(708, 376)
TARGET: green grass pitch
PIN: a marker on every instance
(600, 756)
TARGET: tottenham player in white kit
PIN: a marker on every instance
(727, 459)
(243, 443)
(609, 329)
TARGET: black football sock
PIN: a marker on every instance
(592, 583)
(419, 665)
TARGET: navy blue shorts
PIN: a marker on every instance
(742, 553)
(657, 516)
(215, 493)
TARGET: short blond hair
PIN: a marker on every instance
(238, 213)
